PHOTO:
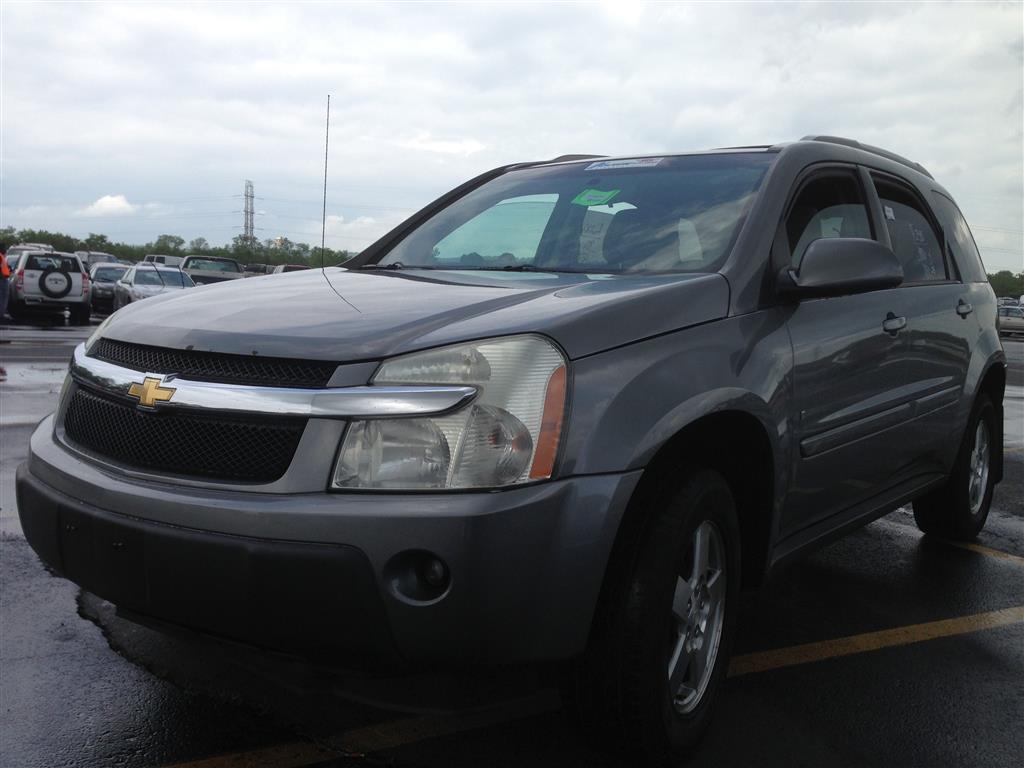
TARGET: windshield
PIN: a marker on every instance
(172, 278)
(670, 214)
(212, 265)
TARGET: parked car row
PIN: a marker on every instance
(47, 281)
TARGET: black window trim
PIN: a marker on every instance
(933, 220)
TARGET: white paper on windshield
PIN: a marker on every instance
(637, 162)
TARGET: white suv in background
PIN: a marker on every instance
(50, 281)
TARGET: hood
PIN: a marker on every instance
(342, 315)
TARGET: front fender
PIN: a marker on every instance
(630, 401)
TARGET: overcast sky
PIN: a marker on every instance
(134, 120)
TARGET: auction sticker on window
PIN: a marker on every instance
(590, 197)
(637, 162)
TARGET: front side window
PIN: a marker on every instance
(831, 205)
(914, 239)
(669, 214)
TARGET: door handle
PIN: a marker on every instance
(893, 324)
(963, 308)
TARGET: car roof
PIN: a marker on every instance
(842, 145)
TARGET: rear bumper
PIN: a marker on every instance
(46, 303)
(312, 574)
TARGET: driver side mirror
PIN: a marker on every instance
(841, 266)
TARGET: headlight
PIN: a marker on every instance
(509, 434)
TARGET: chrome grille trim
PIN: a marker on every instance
(329, 403)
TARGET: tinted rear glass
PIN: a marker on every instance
(47, 261)
(669, 214)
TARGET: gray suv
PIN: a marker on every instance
(563, 414)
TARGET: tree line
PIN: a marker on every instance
(276, 251)
(283, 251)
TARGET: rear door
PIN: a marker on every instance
(940, 324)
(851, 408)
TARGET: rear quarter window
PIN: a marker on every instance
(959, 238)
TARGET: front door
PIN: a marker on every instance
(851, 407)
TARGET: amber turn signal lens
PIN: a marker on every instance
(550, 426)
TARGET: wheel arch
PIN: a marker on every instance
(734, 442)
(993, 384)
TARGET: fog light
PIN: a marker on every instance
(434, 572)
(417, 577)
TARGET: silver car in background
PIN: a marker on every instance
(145, 280)
(1011, 320)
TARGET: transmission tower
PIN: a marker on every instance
(247, 225)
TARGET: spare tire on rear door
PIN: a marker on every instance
(55, 283)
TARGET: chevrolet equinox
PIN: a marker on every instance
(565, 413)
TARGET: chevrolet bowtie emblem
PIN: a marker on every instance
(150, 392)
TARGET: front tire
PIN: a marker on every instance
(662, 639)
(958, 510)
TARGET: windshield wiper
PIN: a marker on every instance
(531, 268)
(394, 266)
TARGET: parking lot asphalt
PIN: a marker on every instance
(885, 648)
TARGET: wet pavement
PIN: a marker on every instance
(927, 668)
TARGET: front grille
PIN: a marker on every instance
(211, 366)
(252, 450)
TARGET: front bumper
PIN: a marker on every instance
(309, 573)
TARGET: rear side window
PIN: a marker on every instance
(914, 240)
(828, 206)
(959, 238)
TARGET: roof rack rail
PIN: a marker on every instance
(873, 150)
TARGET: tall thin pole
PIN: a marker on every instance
(323, 224)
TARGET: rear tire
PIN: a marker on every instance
(82, 314)
(662, 637)
(958, 510)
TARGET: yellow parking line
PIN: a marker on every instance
(387, 735)
(292, 755)
(873, 641)
(988, 552)
(397, 733)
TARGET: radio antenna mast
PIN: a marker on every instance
(323, 221)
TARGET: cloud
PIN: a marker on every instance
(425, 143)
(108, 205)
(183, 103)
(357, 233)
